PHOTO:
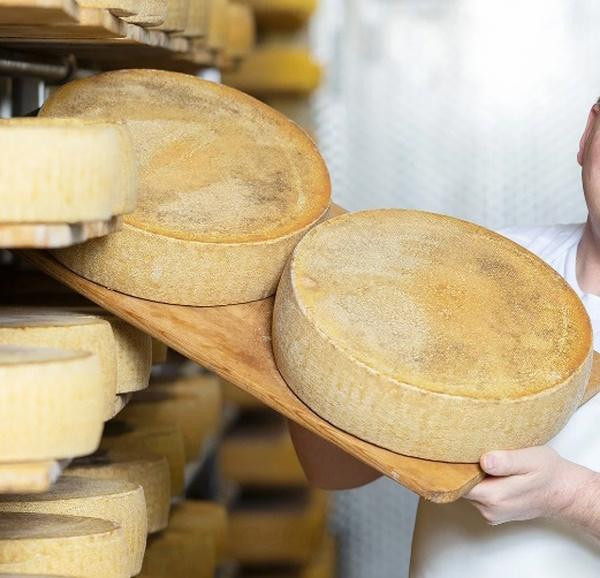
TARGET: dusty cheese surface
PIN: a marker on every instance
(51, 403)
(118, 501)
(441, 304)
(430, 336)
(56, 544)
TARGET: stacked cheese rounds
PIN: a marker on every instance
(65, 171)
(142, 12)
(430, 336)
(52, 403)
(228, 187)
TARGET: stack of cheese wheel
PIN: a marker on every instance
(52, 403)
(228, 187)
(142, 12)
(216, 32)
(193, 403)
(241, 33)
(65, 171)
(62, 545)
(430, 336)
(39, 327)
(163, 440)
(277, 529)
(176, 18)
(282, 14)
(197, 19)
(258, 451)
(150, 471)
(117, 501)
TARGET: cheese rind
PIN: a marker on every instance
(51, 403)
(70, 545)
(214, 235)
(145, 469)
(34, 327)
(142, 12)
(430, 336)
(65, 171)
(163, 440)
(176, 16)
(118, 501)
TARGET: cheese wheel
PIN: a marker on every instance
(216, 34)
(279, 529)
(163, 440)
(56, 328)
(159, 352)
(274, 69)
(65, 171)
(118, 501)
(282, 14)
(30, 576)
(193, 403)
(148, 470)
(119, 402)
(430, 336)
(51, 403)
(296, 108)
(69, 545)
(142, 12)
(197, 19)
(258, 451)
(176, 17)
(201, 517)
(133, 350)
(175, 553)
(228, 187)
(240, 31)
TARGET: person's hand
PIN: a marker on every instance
(529, 483)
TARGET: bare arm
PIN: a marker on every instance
(327, 466)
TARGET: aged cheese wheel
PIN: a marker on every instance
(240, 30)
(51, 403)
(159, 352)
(148, 470)
(65, 171)
(163, 440)
(133, 349)
(258, 451)
(69, 545)
(201, 517)
(175, 553)
(228, 187)
(193, 403)
(142, 12)
(37, 327)
(276, 69)
(118, 501)
(279, 529)
(282, 14)
(216, 33)
(197, 19)
(176, 17)
(430, 336)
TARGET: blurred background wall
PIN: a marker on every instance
(472, 108)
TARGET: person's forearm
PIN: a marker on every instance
(583, 506)
(327, 466)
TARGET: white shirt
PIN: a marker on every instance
(453, 540)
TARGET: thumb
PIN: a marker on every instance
(508, 463)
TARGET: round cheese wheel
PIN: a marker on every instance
(142, 12)
(193, 403)
(148, 470)
(163, 440)
(51, 403)
(65, 170)
(197, 19)
(430, 336)
(118, 501)
(240, 30)
(282, 14)
(228, 187)
(176, 17)
(66, 545)
(37, 327)
(201, 517)
(133, 349)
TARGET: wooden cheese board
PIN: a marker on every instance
(235, 342)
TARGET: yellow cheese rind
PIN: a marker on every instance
(37, 327)
(230, 226)
(70, 545)
(145, 469)
(193, 403)
(118, 501)
(201, 517)
(163, 440)
(430, 336)
(51, 403)
(241, 33)
(65, 171)
(282, 14)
